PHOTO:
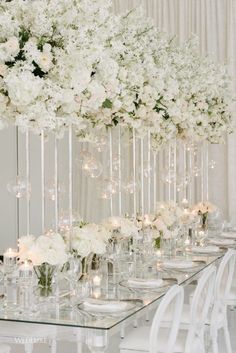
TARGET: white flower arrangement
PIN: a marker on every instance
(50, 249)
(204, 207)
(169, 212)
(126, 227)
(66, 62)
(89, 239)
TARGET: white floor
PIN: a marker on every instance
(64, 347)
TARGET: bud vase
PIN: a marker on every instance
(45, 275)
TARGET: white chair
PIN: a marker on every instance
(4, 348)
(195, 314)
(155, 338)
(222, 289)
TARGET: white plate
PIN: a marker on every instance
(222, 242)
(179, 265)
(97, 306)
(228, 235)
(205, 249)
(149, 284)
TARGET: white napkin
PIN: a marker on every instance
(178, 264)
(141, 282)
(205, 249)
(104, 306)
(222, 241)
(229, 235)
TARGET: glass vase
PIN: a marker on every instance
(45, 275)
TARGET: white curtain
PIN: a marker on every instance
(214, 22)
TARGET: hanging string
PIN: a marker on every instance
(56, 181)
(119, 171)
(70, 180)
(27, 157)
(134, 174)
(111, 167)
(42, 182)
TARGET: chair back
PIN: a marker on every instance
(199, 309)
(172, 302)
(224, 277)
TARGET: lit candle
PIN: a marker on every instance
(97, 281)
(187, 241)
(9, 259)
(97, 293)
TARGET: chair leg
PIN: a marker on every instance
(54, 346)
(214, 338)
(29, 347)
(122, 330)
(79, 346)
(227, 339)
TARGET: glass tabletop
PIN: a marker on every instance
(123, 298)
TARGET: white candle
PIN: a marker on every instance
(97, 281)
(10, 257)
(97, 293)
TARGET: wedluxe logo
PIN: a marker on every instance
(30, 340)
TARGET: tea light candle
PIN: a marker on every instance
(187, 241)
(97, 281)
(10, 258)
(97, 293)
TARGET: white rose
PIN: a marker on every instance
(3, 70)
(98, 247)
(44, 61)
(12, 46)
(84, 247)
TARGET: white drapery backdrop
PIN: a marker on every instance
(214, 22)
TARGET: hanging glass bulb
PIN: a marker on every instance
(196, 171)
(92, 167)
(64, 220)
(50, 190)
(107, 188)
(82, 156)
(18, 187)
(212, 164)
(101, 143)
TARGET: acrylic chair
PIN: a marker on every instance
(155, 338)
(223, 285)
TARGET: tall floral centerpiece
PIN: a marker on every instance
(47, 253)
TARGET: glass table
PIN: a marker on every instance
(75, 323)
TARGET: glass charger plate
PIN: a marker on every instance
(182, 266)
(106, 308)
(167, 282)
(206, 250)
(223, 242)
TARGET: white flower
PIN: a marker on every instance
(204, 207)
(12, 46)
(44, 60)
(3, 70)
(43, 249)
(23, 87)
(126, 227)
